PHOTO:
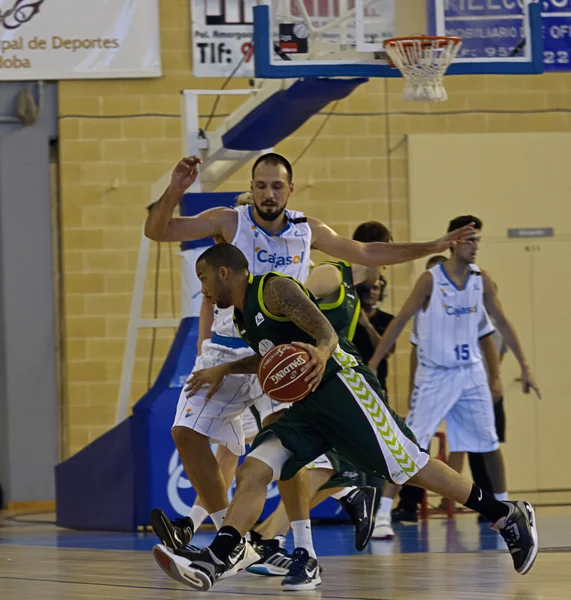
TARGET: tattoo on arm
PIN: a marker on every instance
(249, 364)
(284, 297)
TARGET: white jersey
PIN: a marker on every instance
(447, 333)
(287, 252)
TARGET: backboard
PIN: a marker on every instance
(336, 38)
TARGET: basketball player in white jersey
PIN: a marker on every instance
(450, 301)
(272, 239)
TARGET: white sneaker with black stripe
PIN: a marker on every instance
(275, 561)
(304, 573)
(241, 558)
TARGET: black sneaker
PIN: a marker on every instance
(400, 514)
(361, 505)
(520, 534)
(304, 573)
(175, 534)
(197, 570)
(275, 560)
(241, 558)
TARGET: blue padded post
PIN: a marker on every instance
(285, 111)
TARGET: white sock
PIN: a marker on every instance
(198, 514)
(218, 517)
(281, 540)
(385, 508)
(344, 492)
(501, 497)
(302, 536)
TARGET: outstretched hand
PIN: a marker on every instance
(452, 239)
(185, 173)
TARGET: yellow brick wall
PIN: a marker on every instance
(109, 162)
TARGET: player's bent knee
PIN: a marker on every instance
(272, 453)
(253, 471)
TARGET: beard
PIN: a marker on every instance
(275, 213)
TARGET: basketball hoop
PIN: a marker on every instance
(423, 61)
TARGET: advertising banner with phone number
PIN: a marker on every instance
(222, 38)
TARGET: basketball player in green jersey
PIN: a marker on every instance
(332, 284)
(344, 410)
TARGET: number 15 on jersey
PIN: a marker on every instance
(462, 352)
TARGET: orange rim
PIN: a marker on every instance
(443, 40)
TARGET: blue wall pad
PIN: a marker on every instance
(95, 488)
(261, 128)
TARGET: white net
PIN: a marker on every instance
(423, 61)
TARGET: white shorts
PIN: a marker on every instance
(266, 406)
(249, 424)
(221, 417)
(462, 397)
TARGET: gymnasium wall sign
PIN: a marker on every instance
(79, 39)
(222, 34)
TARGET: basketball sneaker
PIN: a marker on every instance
(519, 531)
(383, 529)
(175, 534)
(241, 558)
(361, 505)
(197, 570)
(304, 573)
(401, 514)
(275, 560)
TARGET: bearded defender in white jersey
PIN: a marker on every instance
(272, 184)
(451, 302)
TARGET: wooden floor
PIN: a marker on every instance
(435, 560)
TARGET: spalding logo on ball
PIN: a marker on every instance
(280, 373)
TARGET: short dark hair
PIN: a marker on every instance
(372, 231)
(271, 158)
(463, 221)
(435, 260)
(224, 255)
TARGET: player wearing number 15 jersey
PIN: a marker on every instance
(451, 302)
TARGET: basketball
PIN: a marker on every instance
(280, 373)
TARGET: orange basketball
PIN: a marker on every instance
(280, 373)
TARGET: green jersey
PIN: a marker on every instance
(262, 330)
(343, 312)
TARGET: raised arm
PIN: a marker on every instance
(495, 310)
(283, 297)
(380, 253)
(161, 226)
(420, 294)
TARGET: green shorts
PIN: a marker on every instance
(348, 412)
(346, 474)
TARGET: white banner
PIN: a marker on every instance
(222, 33)
(79, 39)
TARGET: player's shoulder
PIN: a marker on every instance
(486, 277)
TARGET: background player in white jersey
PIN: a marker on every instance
(272, 239)
(450, 301)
